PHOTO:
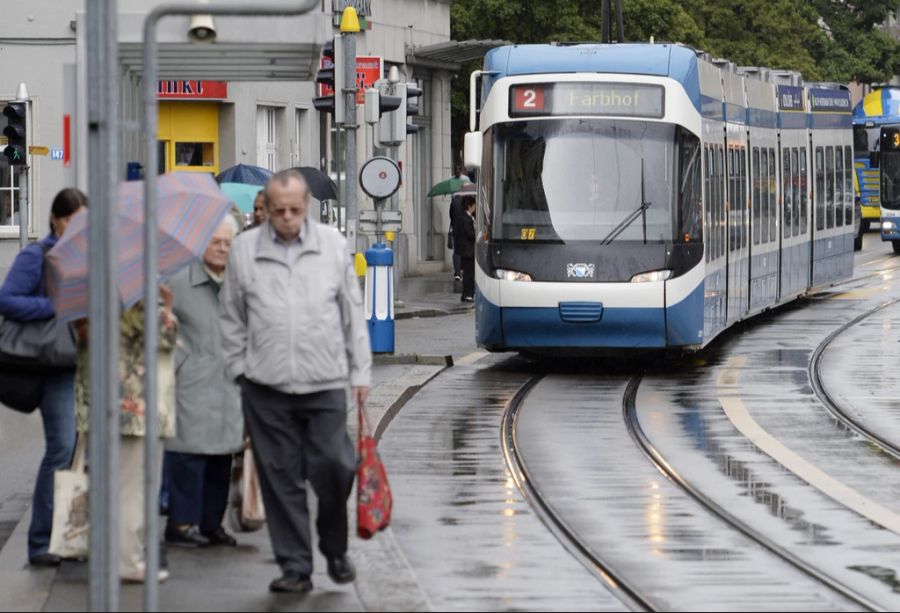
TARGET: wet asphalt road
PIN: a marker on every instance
(476, 544)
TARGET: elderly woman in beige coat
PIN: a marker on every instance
(210, 425)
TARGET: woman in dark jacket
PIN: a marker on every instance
(464, 236)
(23, 297)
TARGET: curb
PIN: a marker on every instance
(391, 359)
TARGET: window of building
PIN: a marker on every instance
(9, 188)
(267, 137)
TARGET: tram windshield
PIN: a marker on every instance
(580, 179)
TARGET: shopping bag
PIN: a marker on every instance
(245, 507)
(69, 536)
(373, 493)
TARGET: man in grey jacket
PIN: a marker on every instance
(295, 337)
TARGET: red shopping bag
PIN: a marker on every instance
(373, 494)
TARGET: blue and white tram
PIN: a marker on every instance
(644, 196)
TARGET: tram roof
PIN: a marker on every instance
(879, 105)
(664, 60)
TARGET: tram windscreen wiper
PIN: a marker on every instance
(640, 211)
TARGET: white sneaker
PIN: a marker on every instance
(138, 577)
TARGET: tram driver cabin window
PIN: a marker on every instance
(194, 154)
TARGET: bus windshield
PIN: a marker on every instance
(890, 179)
(562, 180)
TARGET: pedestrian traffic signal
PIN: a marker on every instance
(391, 129)
(413, 92)
(16, 146)
(331, 80)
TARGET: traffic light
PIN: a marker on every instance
(378, 103)
(331, 79)
(391, 129)
(413, 93)
(16, 146)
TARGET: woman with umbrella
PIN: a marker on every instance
(23, 298)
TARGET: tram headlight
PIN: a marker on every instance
(649, 277)
(888, 225)
(512, 275)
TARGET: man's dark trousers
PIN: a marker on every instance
(287, 431)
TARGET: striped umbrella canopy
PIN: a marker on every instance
(190, 208)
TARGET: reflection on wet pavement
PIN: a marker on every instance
(861, 372)
(471, 538)
(684, 417)
(581, 457)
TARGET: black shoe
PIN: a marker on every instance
(290, 582)
(341, 570)
(185, 537)
(220, 537)
(46, 560)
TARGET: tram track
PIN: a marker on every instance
(617, 584)
(629, 409)
(821, 391)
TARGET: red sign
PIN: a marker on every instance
(368, 70)
(528, 99)
(192, 90)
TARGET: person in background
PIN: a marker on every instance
(465, 238)
(209, 423)
(260, 214)
(132, 425)
(23, 297)
(295, 339)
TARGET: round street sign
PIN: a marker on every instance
(380, 177)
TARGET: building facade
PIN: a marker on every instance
(213, 114)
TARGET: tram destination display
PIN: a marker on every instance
(587, 98)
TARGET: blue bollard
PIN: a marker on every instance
(380, 297)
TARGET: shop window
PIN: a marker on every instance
(195, 154)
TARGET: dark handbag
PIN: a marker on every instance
(39, 344)
(21, 391)
(373, 494)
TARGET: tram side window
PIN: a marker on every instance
(795, 192)
(838, 188)
(691, 225)
(484, 218)
(786, 181)
(707, 218)
(829, 187)
(820, 188)
(755, 194)
(804, 193)
(745, 218)
(773, 196)
(763, 202)
(722, 200)
(732, 208)
(848, 185)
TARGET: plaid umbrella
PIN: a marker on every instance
(190, 208)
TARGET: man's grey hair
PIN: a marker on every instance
(283, 177)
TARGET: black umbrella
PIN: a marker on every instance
(320, 185)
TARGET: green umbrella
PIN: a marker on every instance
(241, 194)
(447, 187)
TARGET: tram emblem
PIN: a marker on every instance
(580, 271)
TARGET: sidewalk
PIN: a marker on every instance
(429, 296)
(237, 579)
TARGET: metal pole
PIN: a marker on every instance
(351, 167)
(604, 21)
(620, 22)
(151, 265)
(23, 207)
(103, 128)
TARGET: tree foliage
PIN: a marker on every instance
(831, 40)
